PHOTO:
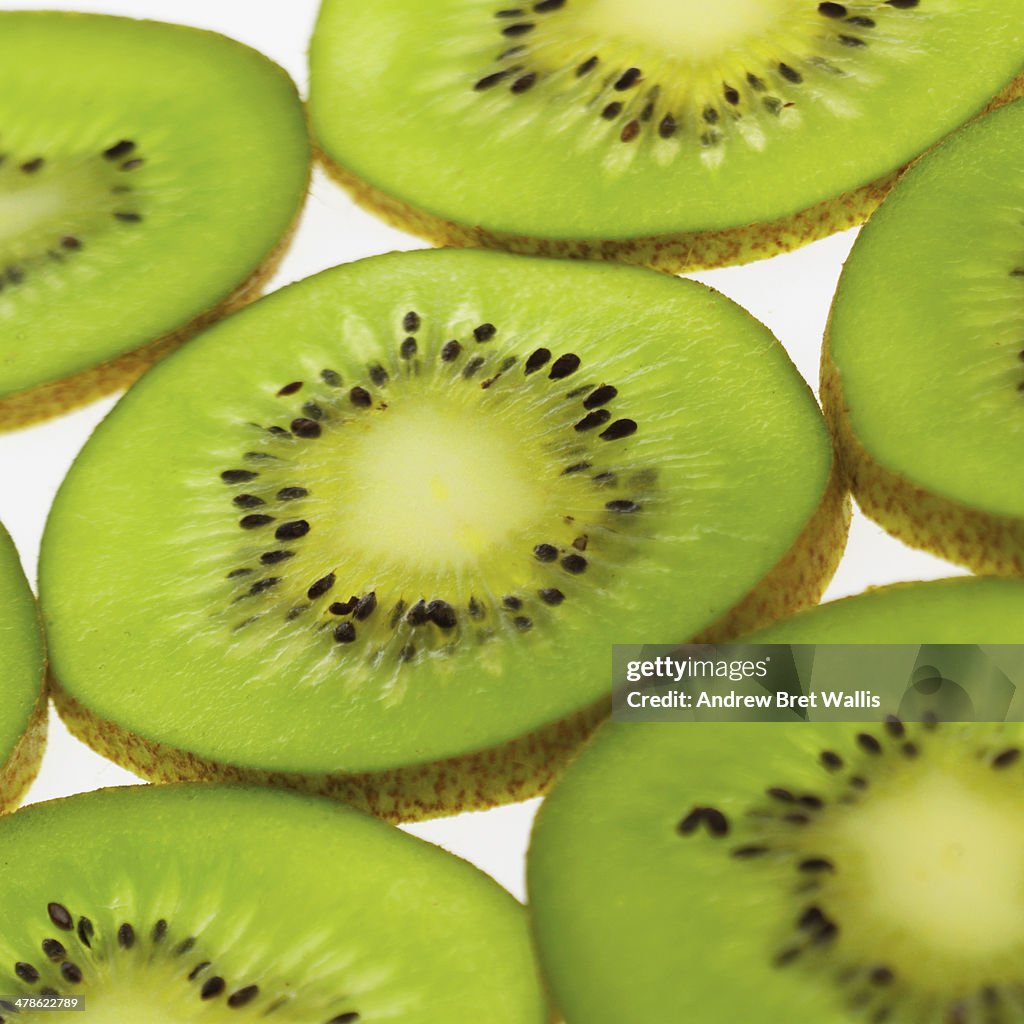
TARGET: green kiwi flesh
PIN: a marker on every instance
(793, 872)
(374, 535)
(148, 175)
(669, 132)
(923, 368)
(204, 903)
(22, 679)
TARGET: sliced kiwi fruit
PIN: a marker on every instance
(794, 872)
(23, 703)
(149, 175)
(923, 365)
(204, 903)
(676, 134)
(375, 535)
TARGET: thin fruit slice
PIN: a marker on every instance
(23, 703)
(677, 134)
(201, 903)
(374, 536)
(923, 366)
(148, 176)
(788, 873)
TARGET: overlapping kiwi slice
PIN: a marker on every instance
(669, 132)
(375, 535)
(148, 176)
(201, 903)
(796, 873)
(22, 699)
(923, 366)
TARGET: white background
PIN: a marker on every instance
(790, 293)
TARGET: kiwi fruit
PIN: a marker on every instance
(22, 679)
(800, 872)
(923, 365)
(149, 177)
(674, 134)
(372, 536)
(204, 903)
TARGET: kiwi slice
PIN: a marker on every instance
(374, 535)
(149, 174)
(677, 134)
(22, 678)
(203, 903)
(923, 366)
(793, 872)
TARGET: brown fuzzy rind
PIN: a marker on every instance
(23, 408)
(800, 577)
(18, 772)
(517, 770)
(987, 544)
(672, 253)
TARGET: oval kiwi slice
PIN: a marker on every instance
(148, 174)
(375, 535)
(23, 703)
(678, 134)
(923, 367)
(202, 903)
(802, 872)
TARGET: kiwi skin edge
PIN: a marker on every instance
(54, 398)
(679, 253)
(18, 772)
(522, 768)
(987, 544)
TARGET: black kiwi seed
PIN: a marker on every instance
(450, 351)
(628, 79)
(600, 396)
(408, 348)
(248, 501)
(198, 969)
(275, 557)
(563, 366)
(622, 505)
(519, 29)
(831, 760)
(790, 74)
(360, 397)
(344, 607)
(511, 602)
(292, 493)
(85, 932)
(691, 822)
(851, 41)
(290, 389)
(551, 595)
(545, 552)
(60, 916)
(629, 131)
(894, 727)
(574, 564)
(243, 996)
(331, 378)
(442, 614)
(417, 614)
(321, 587)
(611, 111)
(593, 420)
(731, 94)
(586, 67)
(1006, 758)
(345, 633)
(291, 531)
(306, 428)
(345, 1018)
(119, 149)
(813, 865)
(127, 216)
(538, 359)
(668, 126)
(53, 949)
(784, 795)
(485, 332)
(26, 972)
(476, 610)
(238, 476)
(70, 243)
(523, 623)
(868, 743)
(159, 931)
(489, 81)
(70, 972)
(254, 521)
(366, 606)
(212, 988)
(126, 936)
(411, 322)
(472, 366)
(378, 375)
(544, 6)
(576, 467)
(31, 166)
(618, 430)
(748, 852)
